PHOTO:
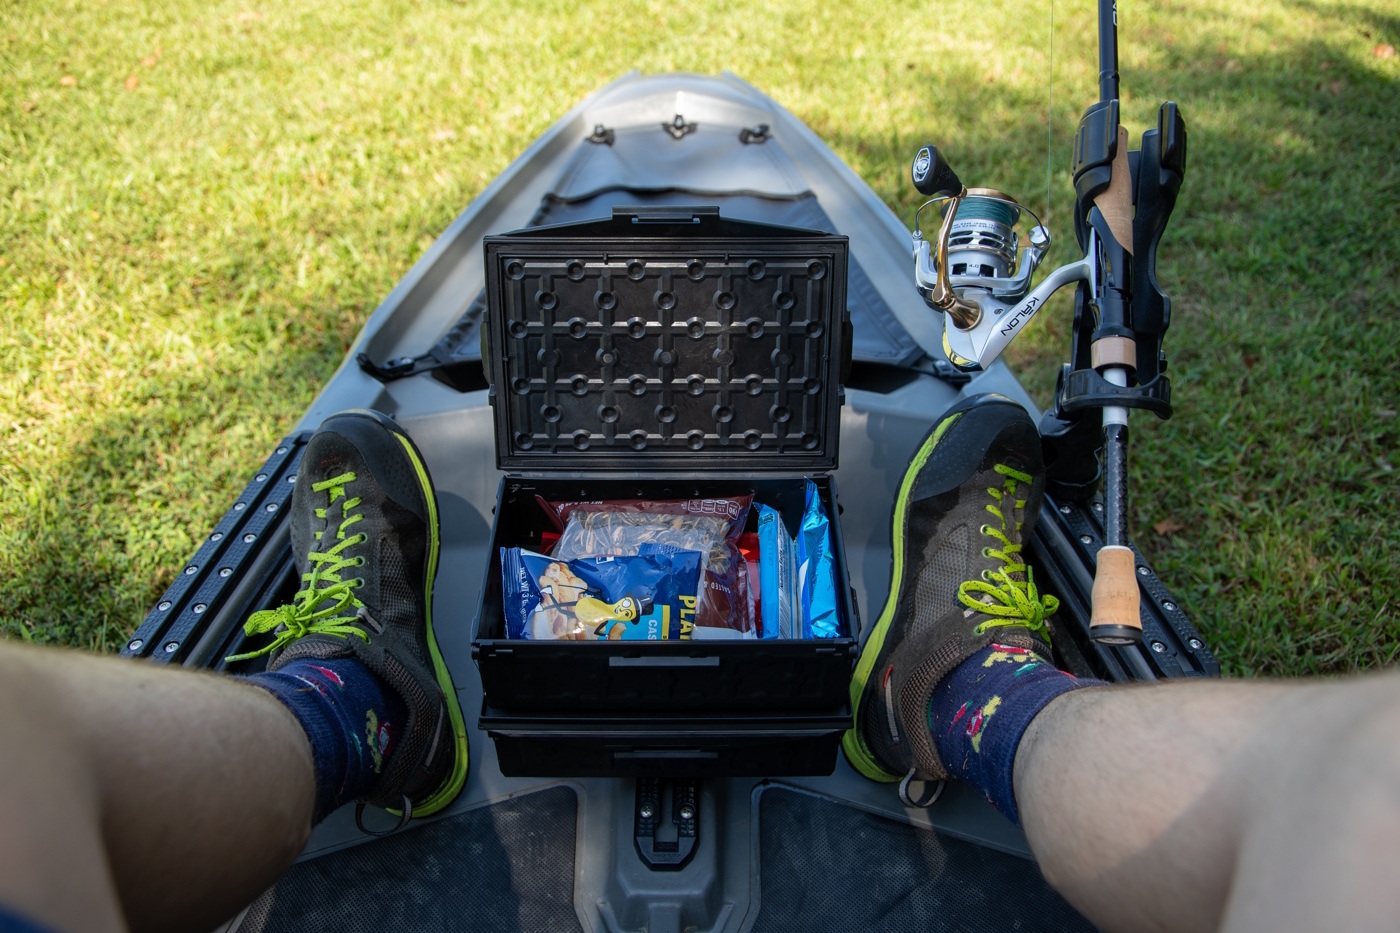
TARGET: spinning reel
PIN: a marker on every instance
(1123, 201)
(967, 271)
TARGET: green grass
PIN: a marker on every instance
(185, 262)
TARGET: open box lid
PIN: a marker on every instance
(666, 339)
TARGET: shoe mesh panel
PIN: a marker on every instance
(913, 706)
(936, 588)
(402, 775)
(396, 591)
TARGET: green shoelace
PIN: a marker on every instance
(308, 613)
(1009, 601)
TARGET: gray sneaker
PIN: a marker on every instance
(968, 502)
(365, 534)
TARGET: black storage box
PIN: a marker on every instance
(642, 744)
(664, 354)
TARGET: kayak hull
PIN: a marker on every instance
(417, 359)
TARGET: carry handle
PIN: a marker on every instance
(664, 214)
(663, 662)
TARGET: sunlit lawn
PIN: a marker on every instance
(201, 202)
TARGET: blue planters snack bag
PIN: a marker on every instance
(649, 597)
(816, 571)
(775, 574)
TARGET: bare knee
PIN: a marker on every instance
(1174, 807)
(1322, 840)
(53, 864)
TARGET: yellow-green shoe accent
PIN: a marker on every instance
(458, 777)
(856, 751)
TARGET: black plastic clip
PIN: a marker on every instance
(941, 368)
(949, 373)
(464, 374)
(394, 368)
(678, 127)
(757, 135)
(666, 854)
(602, 136)
(1081, 389)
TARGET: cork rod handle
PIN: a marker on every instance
(1117, 616)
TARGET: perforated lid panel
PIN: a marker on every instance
(670, 339)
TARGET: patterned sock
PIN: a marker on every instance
(351, 717)
(979, 712)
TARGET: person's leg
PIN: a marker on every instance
(142, 798)
(1256, 805)
(166, 800)
(1219, 805)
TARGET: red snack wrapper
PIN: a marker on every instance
(748, 547)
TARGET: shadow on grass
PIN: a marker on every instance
(111, 523)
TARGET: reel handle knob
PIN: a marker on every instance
(932, 175)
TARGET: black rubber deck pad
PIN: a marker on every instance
(506, 867)
(828, 868)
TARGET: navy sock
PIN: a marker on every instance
(979, 712)
(352, 719)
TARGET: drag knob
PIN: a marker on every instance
(931, 174)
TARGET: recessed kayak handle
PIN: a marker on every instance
(665, 214)
(665, 753)
(663, 662)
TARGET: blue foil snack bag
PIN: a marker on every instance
(816, 571)
(775, 574)
(647, 597)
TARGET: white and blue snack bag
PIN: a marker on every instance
(776, 572)
(647, 597)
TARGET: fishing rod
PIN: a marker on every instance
(1123, 200)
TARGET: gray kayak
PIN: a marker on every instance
(809, 853)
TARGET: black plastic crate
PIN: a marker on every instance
(764, 674)
(664, 354)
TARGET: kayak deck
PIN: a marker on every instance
(835, 852)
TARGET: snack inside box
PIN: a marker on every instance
(696, 673)
(664, 355)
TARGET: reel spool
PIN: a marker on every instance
(982, 242)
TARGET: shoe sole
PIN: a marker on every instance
(856, 752)
(451, 787)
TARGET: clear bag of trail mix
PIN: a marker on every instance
(621, 527)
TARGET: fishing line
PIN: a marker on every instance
(1050, 113)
